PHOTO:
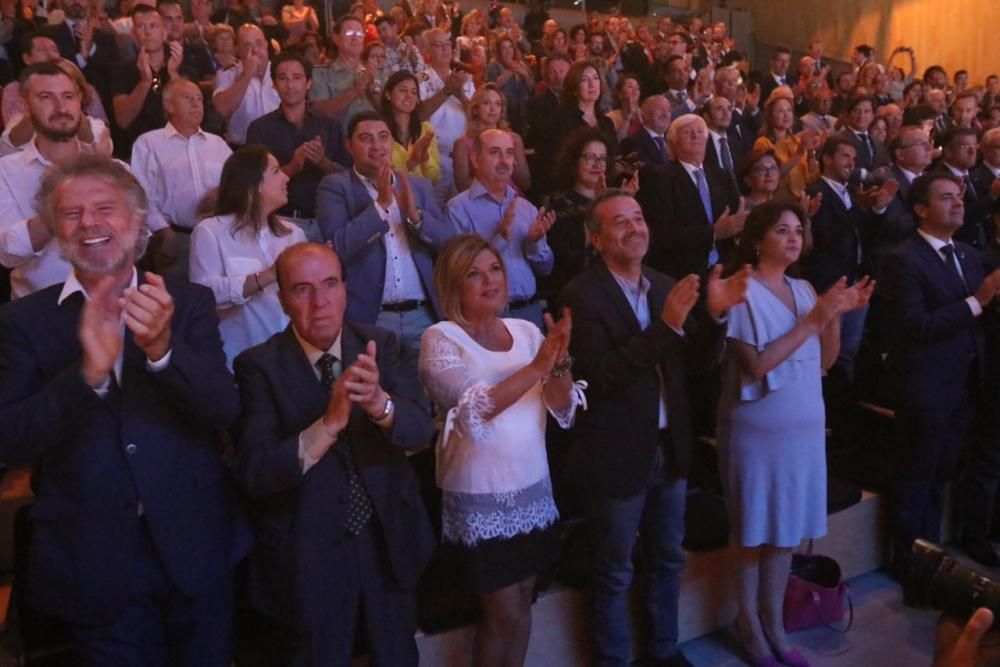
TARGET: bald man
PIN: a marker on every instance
(245, 92)
(649, 143)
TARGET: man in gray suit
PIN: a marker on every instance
(385, 225)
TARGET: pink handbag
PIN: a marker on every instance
(816, 593)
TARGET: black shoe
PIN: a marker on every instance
(981, 551)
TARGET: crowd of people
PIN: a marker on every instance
(258, 254)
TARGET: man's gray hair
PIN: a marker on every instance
(96, 166)
(591, 219)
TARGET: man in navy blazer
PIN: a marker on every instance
(935, 292)
(649, 142)
(342, 535)
(114, 385)
(636, 335)
(386, 227)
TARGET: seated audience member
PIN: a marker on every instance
(771, 431)
(583, 167)
(795, 152)
(344, 88)
(694, 213)
(124, 357)
(444, 93)
(414, 149)
(858, 116)
(582, 91)
(959, 150)
(487, 111)
(633, 343)
(495, 379)
(386, 225)
(342, 534)
(245, 92)
(298, 18)
(233, 252)
(649, 143)
(177, 167)
(513, 78)
(94, 130)
(724, 148)
(222, 42)
(492, 208)
(627, 114)
(819, 118)
(759, 175)
(307, 145)
(935, 291)
(27, 246)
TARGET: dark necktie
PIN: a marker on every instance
(969, 187)
(662, 146)
(950, 261)
(727, 155)
(359, 505)
(866, 142)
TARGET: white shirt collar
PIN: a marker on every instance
(169, 131)
(72, 286)
(910, 176)
(956, 171)
(935, 242)
(839, 188)
(691, 168)
(653, 134)
(313, 353)
(994, 170)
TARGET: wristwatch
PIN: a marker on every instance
(416, 222)
(386, 412)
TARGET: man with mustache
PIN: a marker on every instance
(52, 101)
(118, 401)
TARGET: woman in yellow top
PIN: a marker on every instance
(413, 147)
(795, 152)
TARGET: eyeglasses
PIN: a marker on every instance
(353, 33)
(922, 144)
(763, 171)
(594, 160)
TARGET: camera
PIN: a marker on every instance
(941, 582)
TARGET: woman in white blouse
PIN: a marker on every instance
(494, 379)
(233, 252)
(298, 18)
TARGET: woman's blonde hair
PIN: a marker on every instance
(453, 265)
(474, 122)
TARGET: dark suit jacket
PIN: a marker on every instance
(879, 159)
(100, 66)
(982, 179)
(299, 517)
(615, 440)
(153, 442)
(935, 341)
(680, 231)
(838, 235)
(347, 216)
(641, 143)
(768, 85)
(890, 229)
(978, 206)
(736, 147)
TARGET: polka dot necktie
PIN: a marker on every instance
(359, 505)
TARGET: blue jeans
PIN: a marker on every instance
(657, 515)
(408, 326)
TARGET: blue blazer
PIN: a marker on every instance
(934, 341)
(295, 564)
(153, 442)
(347, 217)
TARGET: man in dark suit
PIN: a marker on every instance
(959, 151)
(935, 291)
(693, 212)
(781, 60)
(870, 153)
(725, 149)
(649, 143)
(985, 176)
(342, 535)
(371, 214)
(90, 47)
(114, 386)
(539, 111)
(746, 120)
(636, 333)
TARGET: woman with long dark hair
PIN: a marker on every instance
(413, 147)
(233, 251)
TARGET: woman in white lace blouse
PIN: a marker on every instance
(494, 379)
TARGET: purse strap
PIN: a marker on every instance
(850, 606)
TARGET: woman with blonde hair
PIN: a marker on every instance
(487, 111)
(493, 380)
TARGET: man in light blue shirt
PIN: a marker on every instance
(492, 208)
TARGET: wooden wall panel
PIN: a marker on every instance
(956, 34)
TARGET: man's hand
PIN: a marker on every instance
(362, 383)
(174, 61)
(959, 647)
(363, 81)
(383, 184)
(315, 154)
(299, 158)
(338, 408)
(878, 197)
(680, 301)
(541, 225)
(724, 293)
(810, 204)
(507, 221)
(730, 224)
(100, 332)
(144, 67)
(405, 200)
(148, 311)
(84, 31)
(988, 289)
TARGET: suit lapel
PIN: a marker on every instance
(301, 380)
(945, 276)
(614, 292)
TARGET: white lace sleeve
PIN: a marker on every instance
(577, 398)
(447, 379)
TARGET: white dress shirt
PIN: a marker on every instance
(937, 244)
(221, 261)
(402, 282)
(177, 172)
(449, 126)
(841, 190)
(259, 99)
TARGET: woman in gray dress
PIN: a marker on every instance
(771, 420)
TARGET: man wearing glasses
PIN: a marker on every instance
(344, 88)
